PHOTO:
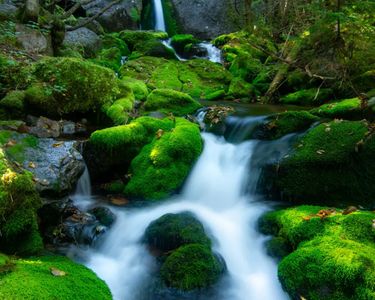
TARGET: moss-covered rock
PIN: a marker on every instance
(138, 87)
(179, 41)
(19, 202)
(68, 85)
(171, 101)
(282, 124)
(350, 109)
(245, 67)
(112, 40)
(196, 77)
(172, 231)
(76, 282)
(119, 111)
(14, 101)
(191, 267)
(109, 58)
(162, 166)
(239, 88)
(308, 97)
(333, 254)
(133, 37)
(152, 48)
(333, 159)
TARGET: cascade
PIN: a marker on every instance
(159, 15)
(217, 192)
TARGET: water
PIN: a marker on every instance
(214, 54)
(82, 196)
(159, 15)
(216, 193)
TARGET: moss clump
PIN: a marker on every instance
(334, 159)
(171, 231)
(333, 256)
(109, 58)
(19, 202)
(308, 97)
(132, 38)
(239, 88)
(220, 94)
(245, 67)
(191, 267)
(171, 101)
(14, 101)
(32, 279)
(284, 123)
(345, 109)
(112, 40)
(138, 87)
(69, 85)
(119, 111)
(152, 48)
(179, 41)
(162, 166)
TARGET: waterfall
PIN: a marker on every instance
(216, 193)
(82, 196)
(213, 53)
(159, 15)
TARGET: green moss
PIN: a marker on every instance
(109, 58)
(282, 124)
(172, 231)
(170, 101)
(15, 144)
(220, 94)
(334, 159)
(307, 97)
(170, 17)
(333, 257)
(191, 267)
(152, 48)
(118, 112)
(32, 279)
(69, 85)
(138, 87)
(14, 101)
(344, 109)
(245, 67)
(239, 88)
(162, 166)
(112, 40)
(179, 41)
(132, 38)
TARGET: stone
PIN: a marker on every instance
(83, 37)
(7, 12)
(33, 41)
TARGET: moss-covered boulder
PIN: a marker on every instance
(154, 48)
(332, 253)
(163, 165)
(179, 41)
(245, 67)
(19, 202)
(119, 111)
(133, 37)
(67, 85)
(138, 87)
(197, 77)
(308, 97)
(172, 231)
(282, 124)
(349, 109)
(75, 281)
(191, 267)
(239, 88)
(171, 101)
(14, 103)
(333, 159)
(109, 58)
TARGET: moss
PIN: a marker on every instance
(138, 87)
(170, 17)
(365, 82)
(297, 80)
(344, 109)
(312, 96)
(333, 159)
(170, 101)
(32, 279)
(245, 67)
(152, 48)
(69, 85)
(191, 267)
(112, 40)
(282, 124)
(220, 94)
(172, 231)
(14, 101)
(333, 257)
(109, 58)
(179, 41)
(162, 166)
(119, 111)
(132, 38)
(14, 145)
(239, 88)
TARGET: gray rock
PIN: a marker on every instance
(33, 41)
(124, 15)
(83, 38)
(223, 17)
(56, 166)
(7, 12)
(31, 11)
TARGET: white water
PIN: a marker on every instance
(214, 193)
(214, 54)
(159, 16)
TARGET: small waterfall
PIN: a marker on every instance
(217, 193)
(214, 54)
(82, 196)
(159, 15)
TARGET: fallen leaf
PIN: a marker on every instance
(32, 165)
(57, 272)
(56, 145)
(320, 152)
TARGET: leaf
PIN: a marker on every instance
(56, 272)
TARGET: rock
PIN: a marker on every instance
(124, 15)
(191, 17)
(118, 200)
(214, 119)
(83, 38)
(104, 215)
(7, 12)
(56, 272)
(33, 41)
(31, 11)
(194, 50)
(45, 128)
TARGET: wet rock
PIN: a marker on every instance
(215, 116)
(83, 38)
(195, 50)
(118, 200)
(104, 215)
(33, 41)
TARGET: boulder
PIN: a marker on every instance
(83, 39)
(7, 12)
(33, 41)
(124, 15)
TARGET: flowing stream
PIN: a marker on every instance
(216, 193)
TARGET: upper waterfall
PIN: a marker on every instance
(159, 15)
